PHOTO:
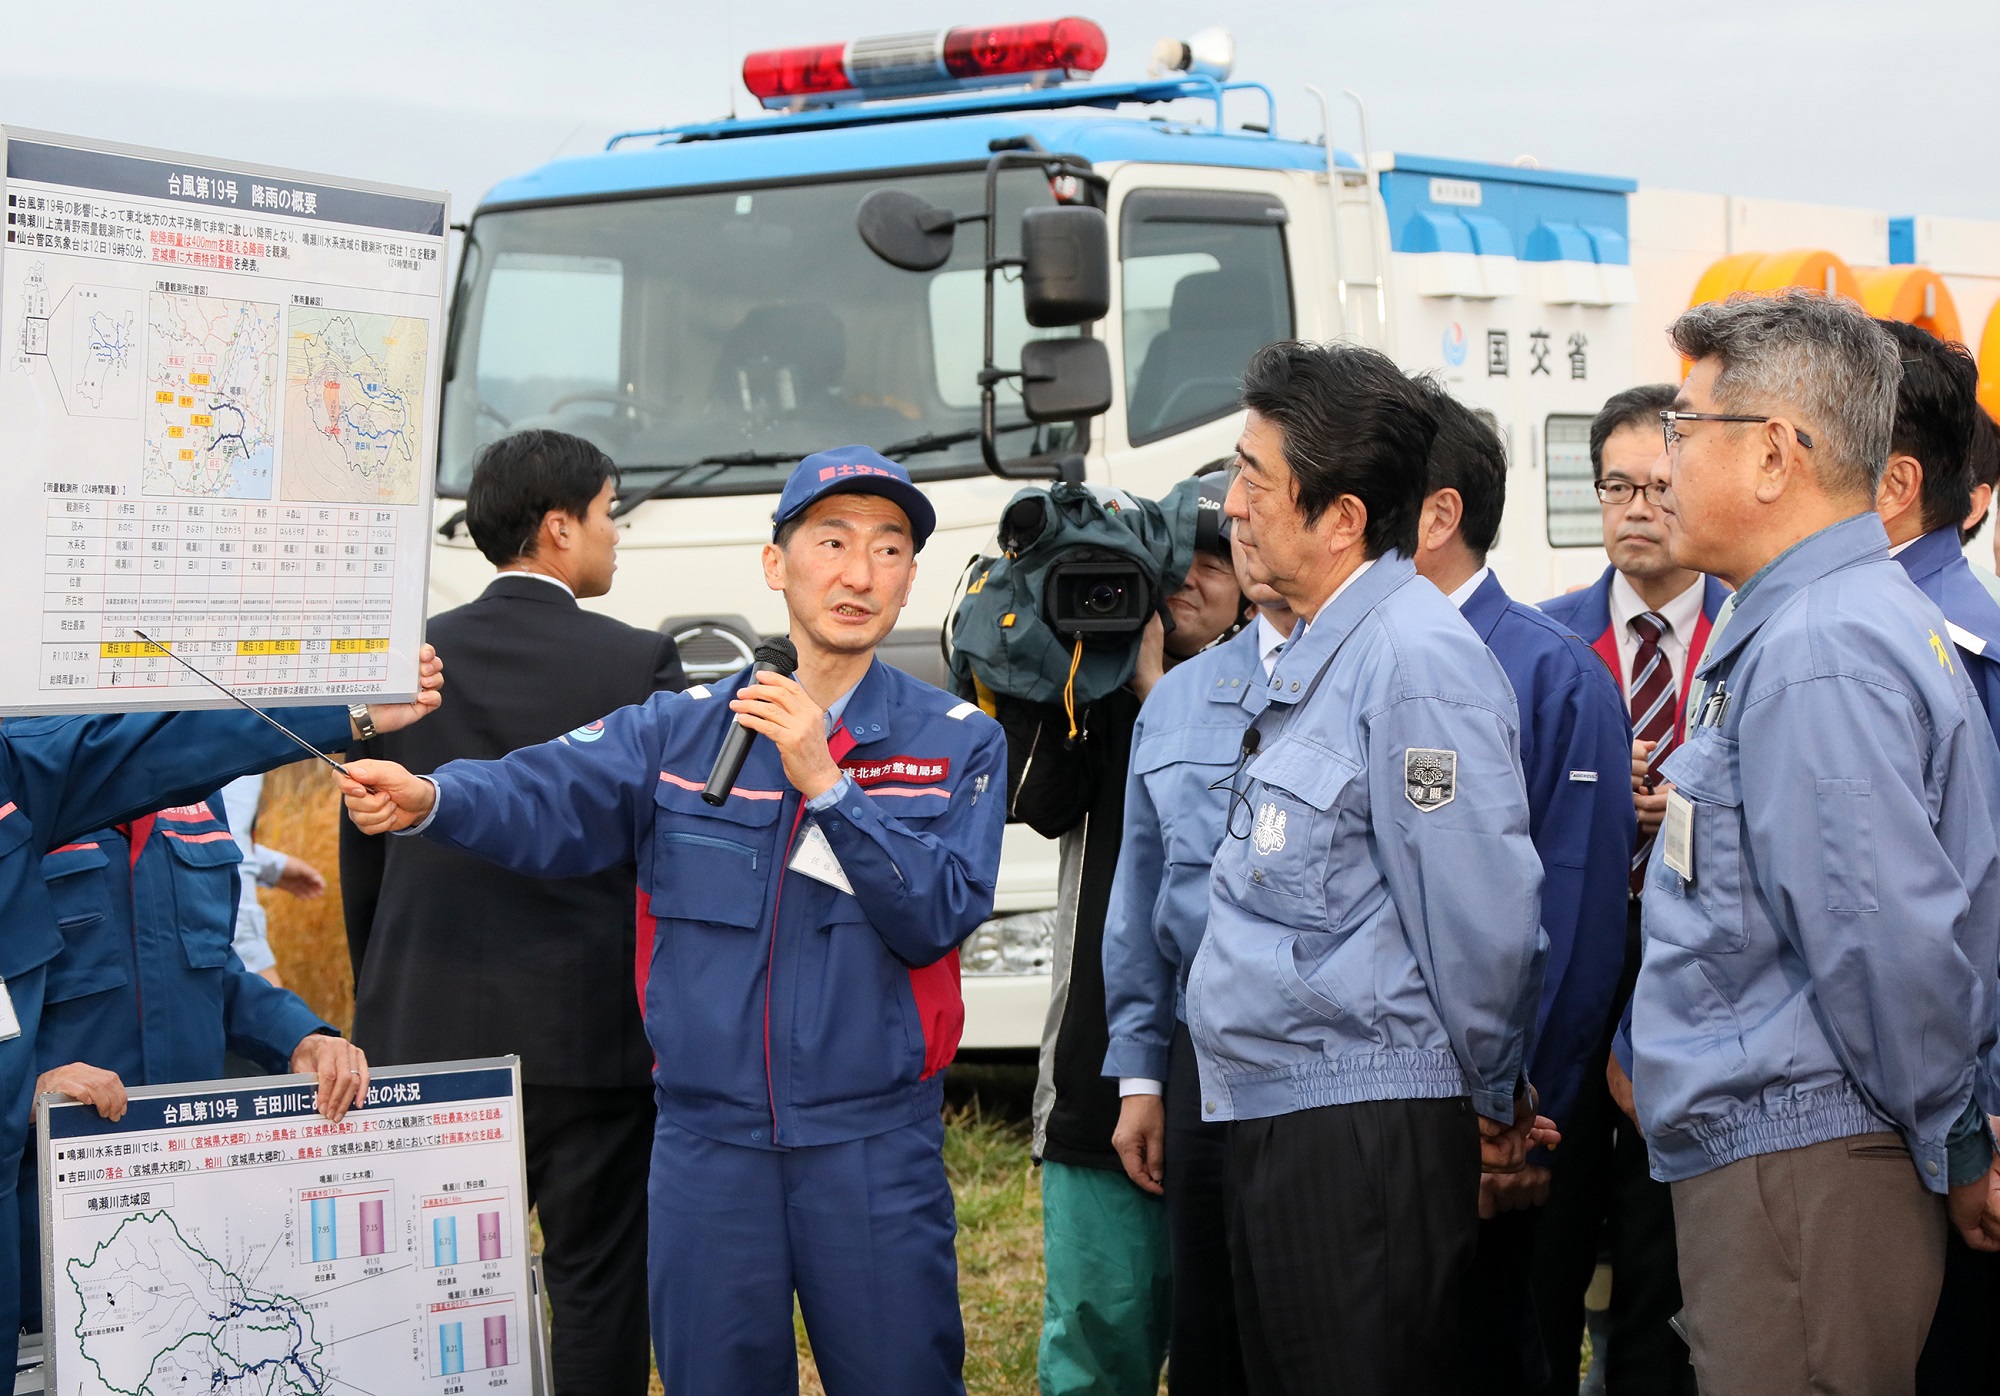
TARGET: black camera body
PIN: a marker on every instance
(1097, 595)
(1058, 617)
(1088, 590)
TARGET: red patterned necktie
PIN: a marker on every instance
(1651, 697)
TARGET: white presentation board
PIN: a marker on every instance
(224, 1238)
(219, 402)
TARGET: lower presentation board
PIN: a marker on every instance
(225, 1238)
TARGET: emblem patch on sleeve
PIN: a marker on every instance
(1430, 777)
(1269, 835)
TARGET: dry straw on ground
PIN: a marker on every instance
(300, 815)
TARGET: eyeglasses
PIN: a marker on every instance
(1620, 492)
(1674, 437)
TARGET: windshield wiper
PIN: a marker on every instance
(915, 446)
(754, 458)
(676, 473)
(944, 440)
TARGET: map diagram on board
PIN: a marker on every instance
(211, 379)
(161, 1316)
(224, 1239)
(86, 340)
(354, 399)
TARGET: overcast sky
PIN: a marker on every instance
(1892, 107)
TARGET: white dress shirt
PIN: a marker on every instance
(1269, 641)
(1680, 614)
(1471, 584)
(1352, 578)
(540, 577)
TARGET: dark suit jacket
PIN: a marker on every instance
(454, 957)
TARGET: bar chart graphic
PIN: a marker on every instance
(465, 1228)
(474, 1337)
(348, 1223)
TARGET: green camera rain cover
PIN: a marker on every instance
(1000, 632)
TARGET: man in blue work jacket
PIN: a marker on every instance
(1575, 752)
(803, 998)
(1925, 495)
(61, 778)
(1822, 910)
(1363, 1003)
(148, 988)
(1187, 742)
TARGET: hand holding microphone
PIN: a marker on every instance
(775, 706)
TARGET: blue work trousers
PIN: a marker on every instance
(28, 1206)
(861, 1231)
(17, 1130)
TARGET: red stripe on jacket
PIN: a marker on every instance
(941, 1011)
(642, 959)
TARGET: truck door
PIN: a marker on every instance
(1203, 284)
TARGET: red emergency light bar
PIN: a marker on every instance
(906, 65)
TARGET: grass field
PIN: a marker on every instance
(986, 1143)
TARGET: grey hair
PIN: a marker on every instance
(1817, 355)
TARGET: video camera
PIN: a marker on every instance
(1058, 616)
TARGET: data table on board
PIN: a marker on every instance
(218, 390)
(265, 598)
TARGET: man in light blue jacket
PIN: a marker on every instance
(1363, 1001)
(1186, 745)
(1822, 910)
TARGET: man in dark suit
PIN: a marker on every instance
(453, 956)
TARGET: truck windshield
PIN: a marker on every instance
(705, 341)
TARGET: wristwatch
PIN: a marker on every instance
(364, 725)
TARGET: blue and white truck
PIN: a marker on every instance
(700, 303)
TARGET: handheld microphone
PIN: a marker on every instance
(779, 656)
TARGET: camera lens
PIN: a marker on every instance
(1104, 599)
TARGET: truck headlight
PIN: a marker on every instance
(1023, 942)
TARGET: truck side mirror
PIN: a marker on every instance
(1066, 265)
(1065, 380)
(905, 231)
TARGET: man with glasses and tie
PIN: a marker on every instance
(1648, 619)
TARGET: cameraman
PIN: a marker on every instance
(1106, 1313)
